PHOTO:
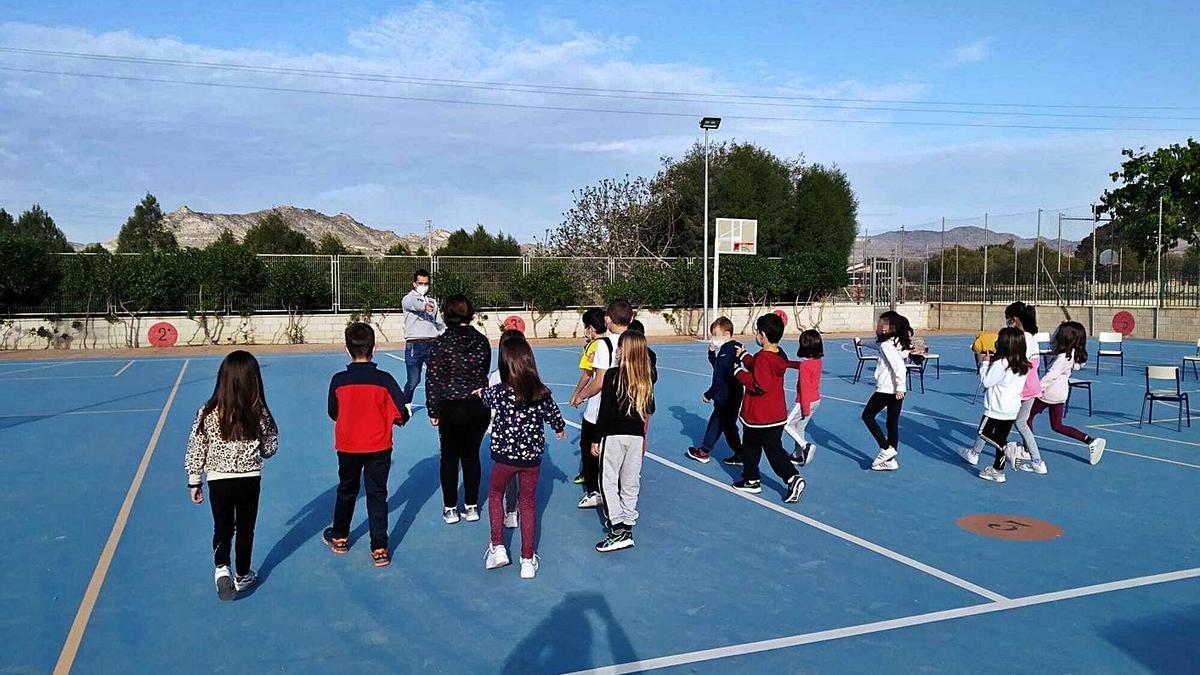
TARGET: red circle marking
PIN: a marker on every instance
(162, 334)
(1013, 528)
(1123, 323)
(782, 316)
(514, 322)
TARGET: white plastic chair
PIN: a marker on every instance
(1163, 384)
(1194, 360)
(1107, 348)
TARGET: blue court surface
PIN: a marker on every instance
(869, 573)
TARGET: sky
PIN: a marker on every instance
(256, 132)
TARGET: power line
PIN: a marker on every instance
(568, 88)
(563, 108)
(670, 97)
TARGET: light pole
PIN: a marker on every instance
(707, 123)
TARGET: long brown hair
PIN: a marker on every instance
(518, 369)
(636, 386)
(239, 399)
(1010, 345)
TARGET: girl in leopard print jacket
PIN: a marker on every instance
(232, 435)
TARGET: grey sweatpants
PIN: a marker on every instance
(621, 478)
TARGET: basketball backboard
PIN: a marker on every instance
(737, 236)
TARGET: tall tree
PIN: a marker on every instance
(826, 214)
(226, 238)
(615, 217)
(399, 248)
(271, 234)
(1172, 174)
(37, 226)
(144, 231)
(6, 222)
(479, 242)
(331, 245)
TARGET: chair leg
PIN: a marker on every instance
(1097, 363)
(922, 380)
(1122, 364)
(858, 371)
(1188, 407)
(1179, 418)
(1089, 401)
(1143, 412)
(938, 364)
(1150, 419)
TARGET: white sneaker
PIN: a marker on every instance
(1015, 452)
(993, 474)
(969, 455)
(591, 500)
(1034, 466)
(245, 581)
(529, 566)
(450, 515)
(224, 580)
(472, 513)
(1096, 450)
(885, 460)
(497, 556)
(511, 520)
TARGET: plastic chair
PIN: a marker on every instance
(1195, 359)
(1078, 384)
(919, 369)
(1164, 376)
(1111, 339)
(863, 360)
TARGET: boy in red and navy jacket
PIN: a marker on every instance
(765, 411)
(364, 403)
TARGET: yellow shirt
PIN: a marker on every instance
(589, 354)
(985, 341)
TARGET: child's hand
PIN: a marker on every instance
(429, 307)
(433, 421)
(899, 396)
(741, 351)
(561, 435)
(595, 449)
(197, 495)
(712, 347)
(476, 392)
(705, 398)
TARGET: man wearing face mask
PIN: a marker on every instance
(422, 325)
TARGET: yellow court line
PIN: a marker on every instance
(66, 657)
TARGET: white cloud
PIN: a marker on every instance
(972, 52)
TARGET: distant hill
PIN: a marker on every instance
(193, 228)
(914, 243)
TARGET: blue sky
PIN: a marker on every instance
(88, 148)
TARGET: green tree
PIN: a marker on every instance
(616, 217)
(479, 242)
(36, 225)
(297, 287)
(331, 245)
(144, 231)
(826, 213)
(399, 248)
(6, 222)
(1172, 174)
(29, 275)
(94, 248)
(545, 288)
(226, 237)
(271, 234)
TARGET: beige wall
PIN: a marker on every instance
(1174, 323)
(329, 328)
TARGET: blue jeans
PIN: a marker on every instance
(415, 356)
(723, 420)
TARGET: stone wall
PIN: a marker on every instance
(1168, 323)
(98, 333)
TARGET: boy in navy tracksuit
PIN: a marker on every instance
(765, 410)
(725, 395)
(364, 403)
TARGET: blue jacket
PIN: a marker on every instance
(725, 389)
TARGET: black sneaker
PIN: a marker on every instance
(579, 479)
(751, 486)
(732, 460)
(797, 457)
(699, 455)
(336, 544)
(615, 541)
(795, 489)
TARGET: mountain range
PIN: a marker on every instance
(916, 242)
(197, 229)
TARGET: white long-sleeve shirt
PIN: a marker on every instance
(890, 371)
(420, 324)
(1057, 382)
(1002, 395)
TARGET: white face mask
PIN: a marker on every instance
(718, 341)
(423, 289)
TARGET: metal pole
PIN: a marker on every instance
(1060, 242)
(707, 321)
(956, 277)
(985, 256)
(1093, 253)
(942, 267)
(1160, 219)
(1037, 258)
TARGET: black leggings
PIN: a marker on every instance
(461, 426)
(234, 503)
(995, 433)
(589, 464)
(877, 402)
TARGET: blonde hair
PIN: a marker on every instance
(636, 387)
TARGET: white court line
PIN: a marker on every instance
(83, 412)
(1156, 438)
(66, 658)
(60, 377)
(123, 369)
(398, 358)
(3, 375)
(829, 529)
(890, 624)
(1048, 439)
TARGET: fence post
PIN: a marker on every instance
(335, 282)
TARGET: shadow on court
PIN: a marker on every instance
(566, 638)
(1164, 643)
